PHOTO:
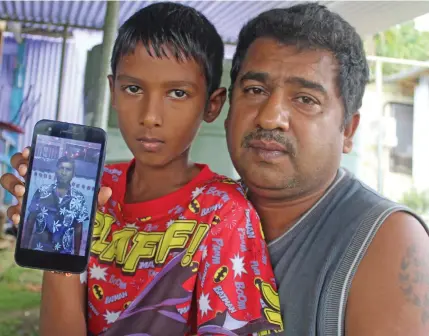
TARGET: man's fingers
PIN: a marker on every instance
(12, 184)
(104, 195)
(13, 213)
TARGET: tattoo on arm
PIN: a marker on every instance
(414, 280)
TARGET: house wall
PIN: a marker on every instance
(393, 184)
(42, 69)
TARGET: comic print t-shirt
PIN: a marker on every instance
(191, 262)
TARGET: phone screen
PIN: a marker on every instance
(60, 195)
(59, 204)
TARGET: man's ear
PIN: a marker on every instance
(349, 132)
(214, 105)
(112, 89)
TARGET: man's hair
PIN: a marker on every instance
(65, 159)
(181, 29)
(312, 26)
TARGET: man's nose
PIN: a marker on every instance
(274, 113)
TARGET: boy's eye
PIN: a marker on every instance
(177, 94)
(132, 89)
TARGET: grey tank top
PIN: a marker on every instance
(315, 261)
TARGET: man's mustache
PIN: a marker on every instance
(270, 135)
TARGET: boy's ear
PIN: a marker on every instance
(214, 105)
(112, 89)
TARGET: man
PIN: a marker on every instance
(346, 260)
(56, 214)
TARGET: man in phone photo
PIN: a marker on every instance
(56, 214)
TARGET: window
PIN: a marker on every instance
(401, 156)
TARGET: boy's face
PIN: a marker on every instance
(160, 104)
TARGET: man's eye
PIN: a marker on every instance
(132, 89)
(254, 90)
(306, 100)
(177, 94)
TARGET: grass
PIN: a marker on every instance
(19, 298)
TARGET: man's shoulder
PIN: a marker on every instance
(76, 193)
(347, 190)
(225, 188)
(45, 190)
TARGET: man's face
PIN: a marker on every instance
(284, 128)
(65, 173)
(160, 104)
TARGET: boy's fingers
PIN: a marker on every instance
(26, 152)
(12, 184)
(18, 159)
(13, 213)
(103, 196)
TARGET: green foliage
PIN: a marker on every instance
(417, 201)
(402, 41)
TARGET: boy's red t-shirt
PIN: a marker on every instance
(191, 262)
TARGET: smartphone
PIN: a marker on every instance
(60, 201)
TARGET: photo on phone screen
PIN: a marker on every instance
(61, 192)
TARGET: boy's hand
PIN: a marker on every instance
(11, 183)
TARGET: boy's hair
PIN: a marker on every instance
(183, 30)
(313, 26)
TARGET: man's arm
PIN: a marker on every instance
(77, 237)
(82, 218)
(28, 231)
(390, 293)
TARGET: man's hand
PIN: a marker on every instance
(11, 183)
(389, 295)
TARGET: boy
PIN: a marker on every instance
(177, 249)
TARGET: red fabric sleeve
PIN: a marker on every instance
(235, 290)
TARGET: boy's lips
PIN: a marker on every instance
(150, 144)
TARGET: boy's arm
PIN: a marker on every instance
(63, 306)
(235, 289)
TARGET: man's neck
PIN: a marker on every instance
(62, 189)
(279, 215)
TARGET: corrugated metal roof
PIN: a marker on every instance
(227, 16)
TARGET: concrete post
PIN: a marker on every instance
(109, 33)
(60, 80)
(421, 135)
(380, 137)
